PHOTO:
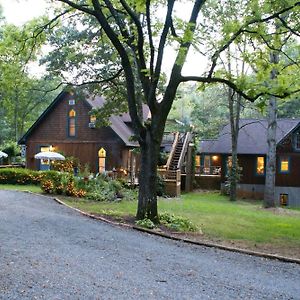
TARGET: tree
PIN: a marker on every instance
(23, 95)
(275, 45)
(138, 37)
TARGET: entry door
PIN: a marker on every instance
(44, 163)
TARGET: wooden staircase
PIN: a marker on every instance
(177, 154)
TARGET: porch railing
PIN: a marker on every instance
(213, 170)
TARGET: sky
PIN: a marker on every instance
(20, 11)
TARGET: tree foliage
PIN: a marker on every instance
(138, 33)
(22, 95)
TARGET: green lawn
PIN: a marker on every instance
(15, 187)
(217, 217)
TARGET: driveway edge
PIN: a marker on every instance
(205, 244)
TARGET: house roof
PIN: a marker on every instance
(252, 137)
(59, 98)
(117, 123)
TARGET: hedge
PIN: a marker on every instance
(26, 176)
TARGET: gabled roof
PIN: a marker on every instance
(252, 137)
(59, 98)
(118, 124)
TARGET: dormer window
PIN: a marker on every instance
(72, 123)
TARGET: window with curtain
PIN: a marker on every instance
(260, 165)
(284, 165)
(72, 123)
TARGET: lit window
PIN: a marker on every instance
(93, 119)
(260, 165)
(72, 113)
(229, 162)
(72, 125)
(284, 199)
(101, 160)
(197, 161)
(284, 165)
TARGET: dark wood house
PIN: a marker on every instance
(66, 126)
(214, 159)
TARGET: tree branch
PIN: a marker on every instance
(140, 46)
(242, 29)
(83, 8)
(284, 23)
(150, 35)
(130, 85)
(235, 87)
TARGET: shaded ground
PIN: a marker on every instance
(51, 252)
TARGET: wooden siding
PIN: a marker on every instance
(53, 130)
(249, 176)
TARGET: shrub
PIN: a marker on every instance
(47, 186)
(104, 188)
(59, 189)
(80, 193)
(70, 189)
(66, 165)
(129, 194)
(146, 223)
(26, 176)
(11, 148)
(20, 176)
(177, 223)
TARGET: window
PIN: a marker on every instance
(45, 163)
(260, 165)
(228, 165)
(71, 102)
(197, 160)
(72, 124)
(101, 160)
(206, 164)
(297, 140)
(93, 119)
(284, 165)
(284, 199)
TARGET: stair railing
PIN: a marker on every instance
(187, 139)
(172, 150)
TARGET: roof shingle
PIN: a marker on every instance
(252, 137)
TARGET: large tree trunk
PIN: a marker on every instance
(269, 196)
(147, 202)
(234, 124)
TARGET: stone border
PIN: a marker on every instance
(164, 235)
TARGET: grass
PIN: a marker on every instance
(16, 187)
(217, 217)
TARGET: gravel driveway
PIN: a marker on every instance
(48, 251)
